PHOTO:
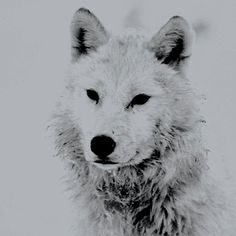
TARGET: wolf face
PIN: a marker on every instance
(127, 95)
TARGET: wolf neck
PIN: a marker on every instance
(139, 198)
(131, 192)
(142, 196)
(122, 188)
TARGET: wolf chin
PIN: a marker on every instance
(128, 127)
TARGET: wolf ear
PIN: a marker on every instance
(172, 44)
(87, 33)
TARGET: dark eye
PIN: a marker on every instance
(93, 95)
(139, 100)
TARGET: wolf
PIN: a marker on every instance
(129, 129)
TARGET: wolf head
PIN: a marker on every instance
(127, 96)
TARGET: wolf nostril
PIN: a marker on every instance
(102, 146)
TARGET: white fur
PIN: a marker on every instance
(160, 185)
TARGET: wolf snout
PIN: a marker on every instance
(102, 146)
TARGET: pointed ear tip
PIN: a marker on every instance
(183, 23)
(80, 15)
(83, 10)
(177, 17)
(179, 20)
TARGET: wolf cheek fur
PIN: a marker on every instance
(157, 184)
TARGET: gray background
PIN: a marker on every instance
(34, 53)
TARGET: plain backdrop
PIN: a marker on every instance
(34, 53)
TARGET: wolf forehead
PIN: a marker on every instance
(124, 60)
(126, 52)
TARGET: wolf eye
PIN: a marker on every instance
(93, 95)
(139, 100)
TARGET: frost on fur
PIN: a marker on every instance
(131, 89)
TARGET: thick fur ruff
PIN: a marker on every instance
(168, 192)
(146, 199)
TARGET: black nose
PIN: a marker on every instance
(102, 146)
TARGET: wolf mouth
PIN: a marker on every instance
(104, 162)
